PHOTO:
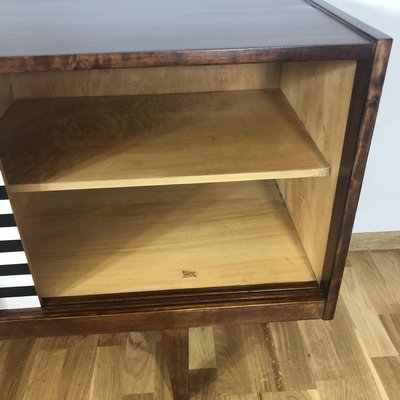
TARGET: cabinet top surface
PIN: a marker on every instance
(72, 27)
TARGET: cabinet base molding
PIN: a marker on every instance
(375, 241)
(155, 312)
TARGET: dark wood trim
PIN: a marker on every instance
(357, 103)
(354, 24)
(183, 58)
(110, 317)
(192, 296)
(363, 111)
(176, 350)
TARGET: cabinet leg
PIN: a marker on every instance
(176, 350)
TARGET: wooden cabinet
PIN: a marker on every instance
(177, 167)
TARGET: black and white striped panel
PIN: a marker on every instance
(17, 289)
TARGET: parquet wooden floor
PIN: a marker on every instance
(353, 357)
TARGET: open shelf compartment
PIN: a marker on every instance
(203, 178)
(161, 238)
(124, 141)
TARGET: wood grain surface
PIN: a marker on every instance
(320, 93)
(375, 241)
(137, 81)
(331, 360)
(170, 237)
(6, 94)
(81, 143)
(93, 34)
(370, 77)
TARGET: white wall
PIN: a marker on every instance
(379, 207)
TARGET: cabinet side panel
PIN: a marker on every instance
(6, 93)
(138, 81)
(320, 93)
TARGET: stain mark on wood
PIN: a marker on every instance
(189, 274)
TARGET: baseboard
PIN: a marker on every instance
(375, 241)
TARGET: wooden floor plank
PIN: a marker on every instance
(139, 363)
(389, 372)
(371, 273)
(161, 375)
(143, 396)
(375, 241)
(16, 363)
(356, 370)
(378, 383)
(337, 390)
(261, 358)
(323, 358)
(201, 348)
(233, 371)
(391, 323)
(80, 356)
(46, 375)
(107, 377)
(293, 356)
(299, 395)
(250, 396)
(388, 263)
(203, 384)
(307, 360)
(359, 299)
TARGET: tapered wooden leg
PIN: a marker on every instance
(176, 349)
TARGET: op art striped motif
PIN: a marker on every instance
(17, 289)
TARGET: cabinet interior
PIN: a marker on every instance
(168, 178)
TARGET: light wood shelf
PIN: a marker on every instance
(123, 141)
(160, 238)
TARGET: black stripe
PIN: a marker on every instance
(18, 291)
(7, 220)
(16, 269)
(10, 245)
(3, 193)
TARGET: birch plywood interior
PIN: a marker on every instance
(161, 178)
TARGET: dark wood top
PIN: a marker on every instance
(30, 30)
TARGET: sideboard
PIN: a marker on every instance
(168, 166)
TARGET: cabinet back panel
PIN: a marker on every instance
(146, 80)
(161, 238)
(320, 93)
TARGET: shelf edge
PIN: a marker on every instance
(167, 181)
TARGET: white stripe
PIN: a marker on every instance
(16, 281)
(15, 257)
(1, 180)
(9, 233)
(7, 303)
(5, 207)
